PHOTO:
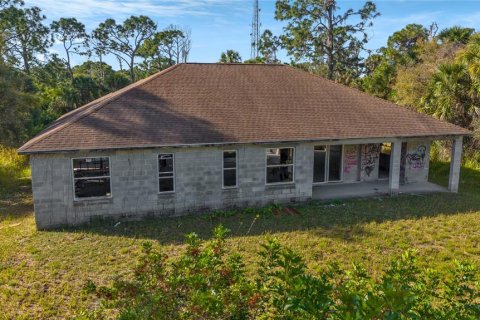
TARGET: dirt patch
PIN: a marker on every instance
(285, 211)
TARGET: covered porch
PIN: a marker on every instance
(371, 189)
(363, 170)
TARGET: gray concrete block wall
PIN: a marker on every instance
(394, 172)
(455, 164)
(369, 161)
(198, 180)
(351, 163)
(361, 162)
(417, 159)
(134, 180)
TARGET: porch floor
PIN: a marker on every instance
(370, 189)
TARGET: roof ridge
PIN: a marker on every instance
(93, 106)
(238, 64)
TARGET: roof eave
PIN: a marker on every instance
(25, 151)
(91, 107)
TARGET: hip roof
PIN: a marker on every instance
(198, 103)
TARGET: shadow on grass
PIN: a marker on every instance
(16, 202)
(344, 220)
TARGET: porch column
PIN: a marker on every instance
(455, 162)
(394, 176)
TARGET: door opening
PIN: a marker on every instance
(384, 161)
(327, 163)
(403, 160)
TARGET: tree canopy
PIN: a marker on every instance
(319, 32)
(71, 33)
(125, 40)
(230, 56)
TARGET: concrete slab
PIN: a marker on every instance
(370, 189)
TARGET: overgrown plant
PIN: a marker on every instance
(14, 169)
(203, 283)
(208, 282)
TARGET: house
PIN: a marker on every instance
(199, 136)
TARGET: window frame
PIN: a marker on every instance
(236, 169)
(75, 198)
(173, 173)
(327, 158)
(278, 166)
(341, 163)
(327, 164)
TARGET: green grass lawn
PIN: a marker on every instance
(42, 272)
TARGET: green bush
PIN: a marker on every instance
(207, 282)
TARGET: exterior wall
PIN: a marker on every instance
(198, 180)
(351, 163)
(417, 159)
(361, 161)
(455, 164)
(369, 161)
(134, 181)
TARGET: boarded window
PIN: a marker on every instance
(91, 177)
(166, 179)
(280, 163)
(230, 169)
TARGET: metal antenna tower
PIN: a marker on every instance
(255, 35)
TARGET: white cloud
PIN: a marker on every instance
(99, 9)
(465, 20)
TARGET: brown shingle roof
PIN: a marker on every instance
(231, 103)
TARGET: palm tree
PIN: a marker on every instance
(448, 95)
(470, 57)
(456, 34)
(230, 56)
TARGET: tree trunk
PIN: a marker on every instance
(132, 71)
(330, 39)
(120, 63)
(26, 62)
(102, 73)
(69, 67)
(26, 65)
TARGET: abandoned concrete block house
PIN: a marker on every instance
(197, 137)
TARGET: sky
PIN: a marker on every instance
(218, 25)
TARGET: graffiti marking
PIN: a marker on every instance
(350, 159)
(371, 152)
(416, 158)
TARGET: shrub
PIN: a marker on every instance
(204, 283)
(207, 282)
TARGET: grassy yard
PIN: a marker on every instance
(42, 273)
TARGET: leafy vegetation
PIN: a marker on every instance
(430, 73)
(208, 282)
(38, 86)
(230, 56)
(14, 170)
(318, 32)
